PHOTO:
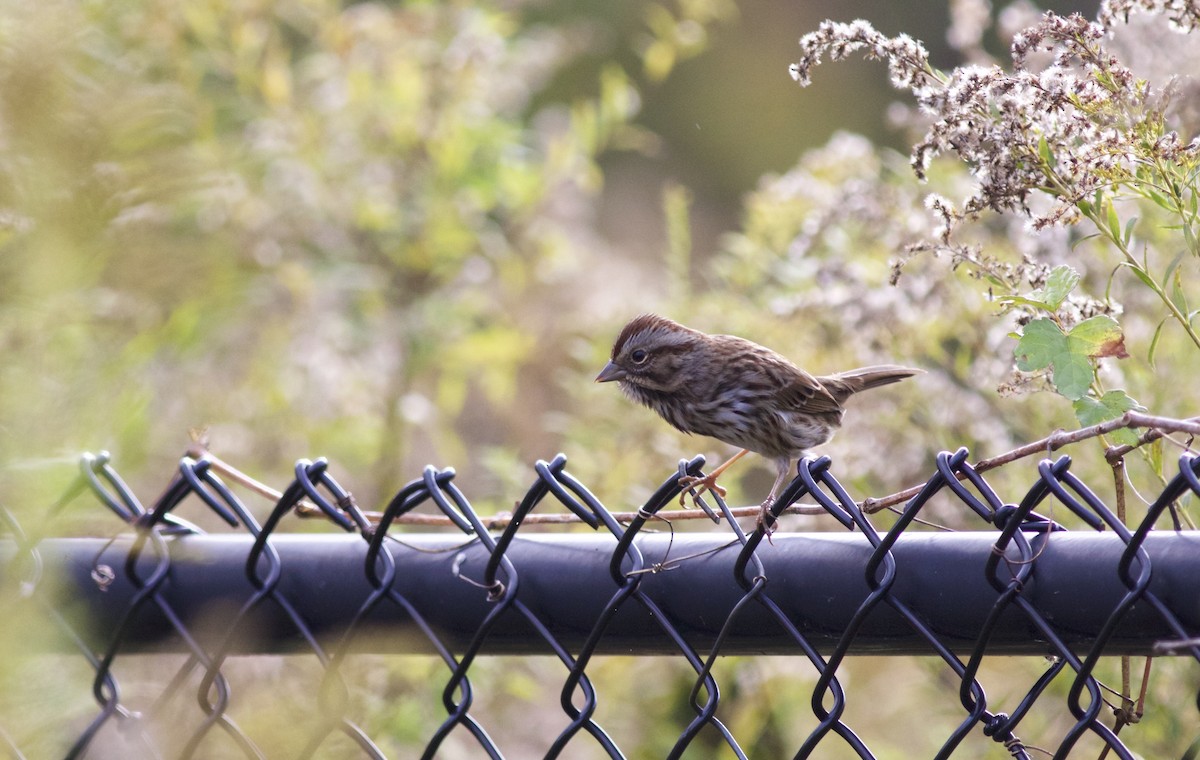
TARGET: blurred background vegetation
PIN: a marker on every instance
(400, 235)
(404, 234)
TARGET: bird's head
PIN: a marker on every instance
(650, 353)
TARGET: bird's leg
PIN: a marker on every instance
(784, 466)
(709, 481)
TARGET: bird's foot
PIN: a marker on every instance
(696, 486)
(765, 521)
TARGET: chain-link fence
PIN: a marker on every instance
(968, 602)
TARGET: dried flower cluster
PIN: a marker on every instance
(1078, 124)
(1184, 15)
(1066, 130)
(908, 61)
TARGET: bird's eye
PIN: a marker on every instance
(639, 356)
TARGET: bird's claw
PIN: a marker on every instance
(695, 486)
(766, 522)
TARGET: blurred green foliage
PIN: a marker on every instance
(316, 228)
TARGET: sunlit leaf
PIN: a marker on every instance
(1098, 336)
(1059, 284)
(1092, 411)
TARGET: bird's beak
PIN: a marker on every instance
(609, 373)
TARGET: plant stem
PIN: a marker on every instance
(1092, 212)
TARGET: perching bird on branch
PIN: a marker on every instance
(735, 391)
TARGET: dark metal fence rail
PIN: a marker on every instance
(1027, 587)
(816, 579)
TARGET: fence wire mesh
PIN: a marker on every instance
(115, 600)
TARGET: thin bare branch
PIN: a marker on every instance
(1055, 441)
(1156, 427)
(493, 522)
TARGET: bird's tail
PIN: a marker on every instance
(845, 384)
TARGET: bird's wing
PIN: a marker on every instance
(801, 392)
(792, 389)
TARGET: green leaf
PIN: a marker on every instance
(1070, 356)
(1172, 267)
(1092, 411)
(1129, 230)
(1059, 284)
(1098, 336)
(1124, 437)
(1156, 456)
(1029, 301)
(1073, 374)
(1178, 297)
(1045, 153)
(1041, 343)
(1142, 274)
(1108, 285)
(1154, 343)
(1114, 222)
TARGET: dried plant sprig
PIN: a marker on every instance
(1184, 15)
(1080, 124)
(1061, 136)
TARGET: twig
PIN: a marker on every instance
(1157, 428)
(492, 522)
(1056, 441)
(199, 450)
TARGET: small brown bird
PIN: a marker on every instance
(735, 391)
